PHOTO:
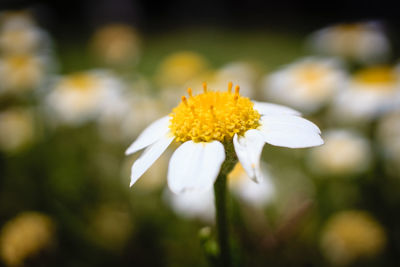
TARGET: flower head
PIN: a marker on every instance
(210, 122)
(371, 92)
(363, 42)
(83, 96)
(350, 235)
(307, 84)
(345, 152)
(25, 236)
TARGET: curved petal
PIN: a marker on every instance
(274, 109)
(149, 156)
(290, 131)
(248, 150)
(195, 166)
(151, 134)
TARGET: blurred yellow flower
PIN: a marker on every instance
(116, 44)
(351, 235)
(25, 236)
(17, 129)
(179, 68)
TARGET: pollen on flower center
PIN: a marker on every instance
(213, 116)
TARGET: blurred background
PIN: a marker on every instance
(79, 80)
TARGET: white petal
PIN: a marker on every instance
(195, 166)
(149, 156)
(248, 149)
(151, 134)
(274, 109)
(290, 131)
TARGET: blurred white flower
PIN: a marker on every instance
(116, 44)
(200, 205)
(363, 42)
(80, 97)
(142, 111)
(192, 205)
(20, 35)
(371, 92)
(255, 194)
(307, 84)
(23, 72)
(345, 152)
(17, 129)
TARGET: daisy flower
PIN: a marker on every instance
(216, 127)
(371, 92)
(83, 96)
(23, 72)
(307, 84)
(20, 35)
(363, 42)
(345, 152)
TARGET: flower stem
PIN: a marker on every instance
(222, 220)
(220, 192)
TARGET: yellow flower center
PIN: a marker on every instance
(377, 76)
(80, 81)
(311, 73)
(213, 116)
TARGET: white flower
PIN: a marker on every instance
(20, 35)
(371, 92)
(23, 72)
(344, 152)
(363, 42)
(204, 123)
(306, 85)
(80, 97)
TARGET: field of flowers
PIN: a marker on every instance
(69, 110)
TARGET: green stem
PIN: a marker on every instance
(222, 220)
(220, 192)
